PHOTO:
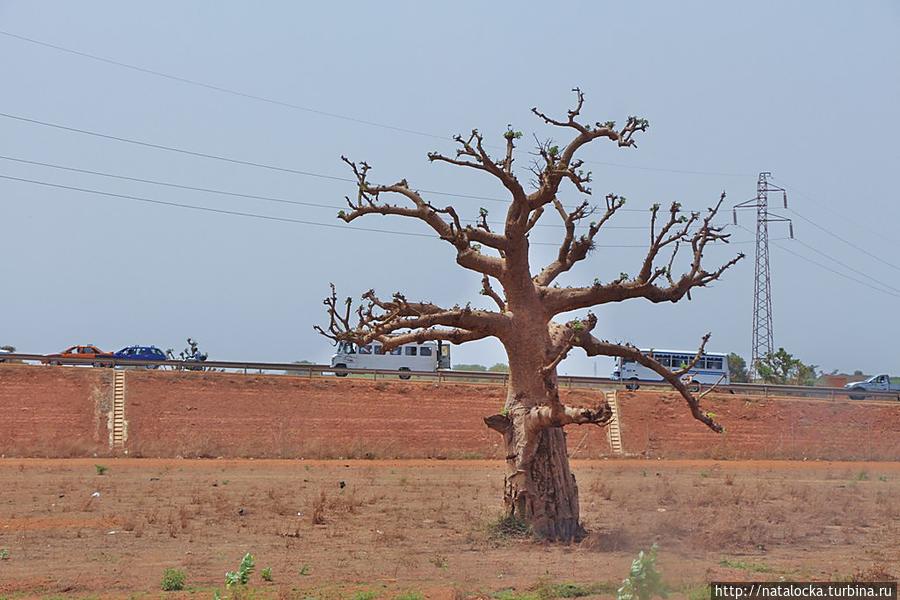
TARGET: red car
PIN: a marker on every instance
(86, 352)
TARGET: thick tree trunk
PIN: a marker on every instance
(539, 487)
(545, 496)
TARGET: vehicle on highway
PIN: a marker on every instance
(427, 356)
(712, 368)
(876, 383)
(87, 352)
(5, 350)
(141, 353)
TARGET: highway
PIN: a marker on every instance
(310, 371)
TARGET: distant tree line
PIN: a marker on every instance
(496, 368)
(780, 367)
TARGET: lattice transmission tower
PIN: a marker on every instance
(763, 331)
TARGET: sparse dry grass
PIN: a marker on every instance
(426, 521)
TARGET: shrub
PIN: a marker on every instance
(266, 574)
(101, 470)
(242, 575)
(643, 581)
(509, 526)
(173, 580)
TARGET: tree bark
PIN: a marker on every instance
(545, 496)
(539, 488)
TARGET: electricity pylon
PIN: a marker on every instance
(763, 331)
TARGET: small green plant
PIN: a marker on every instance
(510, 134)
(704, 474)
(266, 574)
(101, 469)
(545, 590)
(410, 596)
(882, 478)
(699, 592)
(304, 570)
(365, 595)
(242, 575)
(746, 566)
(173, 580)
(4, 554)
(862, 476)
(576, 590)
(511, 594)
(643, 581)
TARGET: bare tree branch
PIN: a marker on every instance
(693, 363)
(487, 290)
(472, 154)
(560, 163)
(571, 251)
(674, 231)
(388, 321)
(595, 347)
(542, 417)
(468, 255)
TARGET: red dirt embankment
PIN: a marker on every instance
(63, 411)
(54, 412)
(218, 414)
(658, 424)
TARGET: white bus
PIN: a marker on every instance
(712, 368)
(427, 356)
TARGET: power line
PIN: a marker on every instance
(831, 258)
(848, 267)
(237, 161)
(844, 275)
(842, 215)
(844, 240)
(315, 111)
(206, 208)
(222, 89)
(166, 183)
(262, 216)
(233, 194)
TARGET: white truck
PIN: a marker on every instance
(427, 356)
(876, 383)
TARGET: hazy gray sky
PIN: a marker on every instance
(807, 90)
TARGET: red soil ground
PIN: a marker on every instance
(423, 526)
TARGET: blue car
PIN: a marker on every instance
(141, 353)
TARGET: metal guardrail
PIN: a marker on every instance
(565, 381)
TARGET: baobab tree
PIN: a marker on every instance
(539, 486)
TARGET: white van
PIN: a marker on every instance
(427, 356)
